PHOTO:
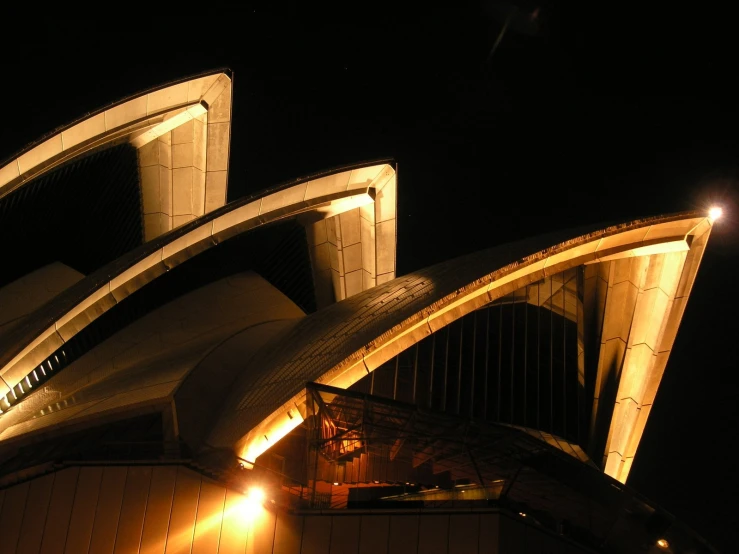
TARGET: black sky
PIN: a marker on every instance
(609, 113)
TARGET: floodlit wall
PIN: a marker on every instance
(171, 509)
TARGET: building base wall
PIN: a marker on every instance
(163, 509)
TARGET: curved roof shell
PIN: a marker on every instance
(337, 346)
(322, 196)
(182, 135)
(341, 343)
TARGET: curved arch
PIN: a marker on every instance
(153, 361)
(342, 344)
(137, 119)
(31, 291)
(314, 198)
(181, 132)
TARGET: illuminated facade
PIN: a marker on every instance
(252, 377)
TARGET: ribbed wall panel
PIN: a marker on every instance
(156, 521)
(151, 509)
(11, 517)
(345, 535)
(66, 485)
(83, 510)
(209, 518)
(108, 510)
(184, 510)
(133, 510)
(233, 533)
(35, 514)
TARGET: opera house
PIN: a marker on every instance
(183, 374)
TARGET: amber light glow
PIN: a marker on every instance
(662, 543)
(269, 434)
(715, 213)
(252, 504)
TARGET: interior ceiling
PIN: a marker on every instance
(84, 214)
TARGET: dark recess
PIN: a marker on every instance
(278, 252)
(84, 214)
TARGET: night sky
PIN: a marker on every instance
(605, 114)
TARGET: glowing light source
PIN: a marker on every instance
(251, 505)
(662, 543)
(256, 495)
(715, 213)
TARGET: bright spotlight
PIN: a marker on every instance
(256, 495)
(715, 213)
(252, 503)
(663, 544)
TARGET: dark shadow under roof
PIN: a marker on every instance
(84, 214)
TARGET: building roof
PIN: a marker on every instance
(342, 343)
(346, 237)
(339, 344)
(136, 119)
(326, 195)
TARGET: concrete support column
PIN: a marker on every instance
(184, 171)
(641, 368)
(155, 167)
(595, 289)
(355, 250)
(317, 236)
(624, 279)
(386, 229)
(188, 170)
(218, 150)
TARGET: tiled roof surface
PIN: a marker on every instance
(347, 329)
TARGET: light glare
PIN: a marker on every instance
(715, 213)
(256, 495)
(251, 505)
(662, 543)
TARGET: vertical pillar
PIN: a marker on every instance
(217, 151)
(184, 172)
(155, 167)
(386, 229)
(640, 367)
(624, 279)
